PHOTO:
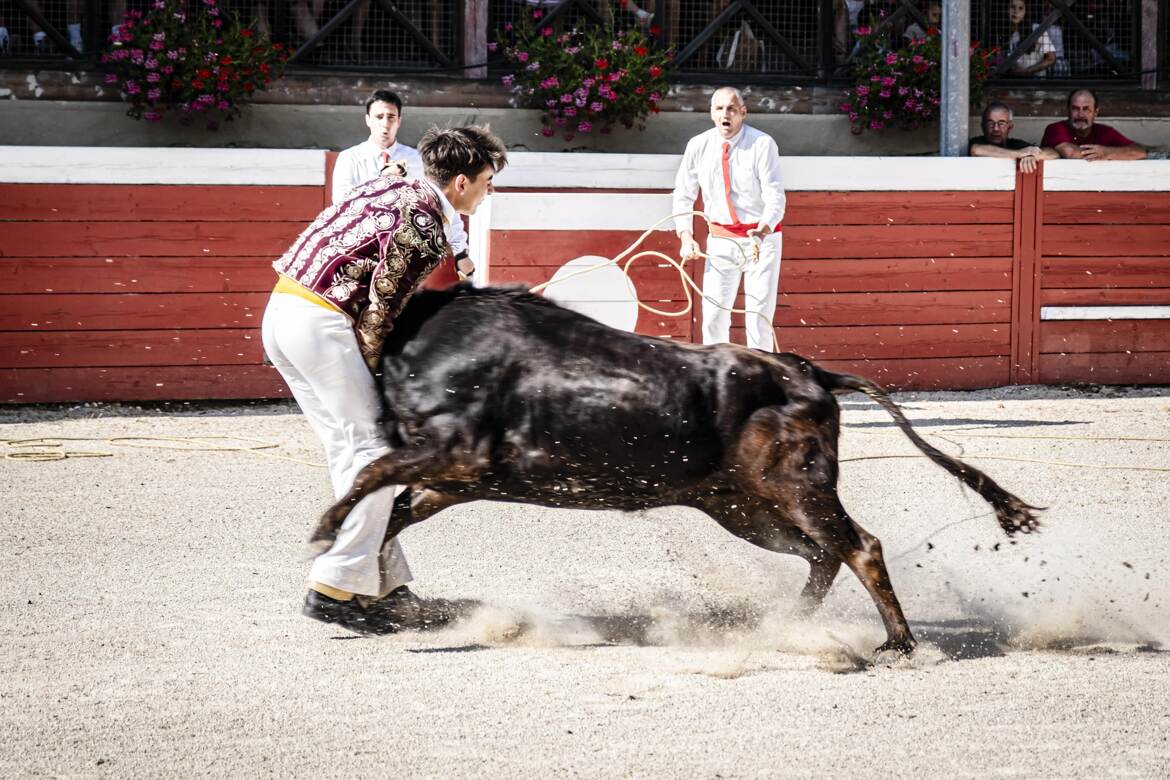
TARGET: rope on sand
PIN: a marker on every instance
(52, 448)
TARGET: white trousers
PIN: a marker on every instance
(721, 274)
(316, 352)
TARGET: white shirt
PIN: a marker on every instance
(362, 163)
(756, 189)
(452, 222)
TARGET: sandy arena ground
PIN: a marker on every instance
(151, 614)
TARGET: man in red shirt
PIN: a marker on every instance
(1080, 138)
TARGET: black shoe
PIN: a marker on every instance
(347, 614)
(401, 607)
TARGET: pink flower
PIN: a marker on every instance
(154, 94)
(888, 81)
(596, 107)
(891, 58)
(132, 88)
(522, 56)
(570, 111)
(493, 46)
(547, 132)
(537, 14)
(111, 78)
(508, 80)
(584, 127)
(863, 30)
(152, 116)
(546, 32)
(153, 78)
(862, 91)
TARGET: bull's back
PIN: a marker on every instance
(551, 397)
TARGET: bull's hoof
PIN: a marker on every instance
(893, 650)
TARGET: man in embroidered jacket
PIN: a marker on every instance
(736, 168)
(340, 286)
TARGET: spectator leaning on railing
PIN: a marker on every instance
(996, 140)
(1080, 137)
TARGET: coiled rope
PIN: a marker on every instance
(688, 284)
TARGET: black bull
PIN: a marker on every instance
(502, 395)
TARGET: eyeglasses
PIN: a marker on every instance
(999, 123)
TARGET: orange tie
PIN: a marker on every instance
(727, 182)
(385, 158)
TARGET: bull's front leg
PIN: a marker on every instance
(406, 466)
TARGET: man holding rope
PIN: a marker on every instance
(737, 169)
(341, 285)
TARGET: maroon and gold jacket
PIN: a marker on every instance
(367, 254)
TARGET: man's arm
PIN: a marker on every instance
(991, 150)
(771, 187)
(343, 176)
(686, 189)
(1027, 156)
(1098, 152)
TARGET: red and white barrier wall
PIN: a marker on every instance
(141, 274)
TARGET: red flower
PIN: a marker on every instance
(225, 61)
(655, 71)
(197, 84)
(601, 63)
(249, 86)
(204, 73)
(639, 90)
(623, 3)
(655, 30)
(931, 31)
(641, 51)
(246, 32)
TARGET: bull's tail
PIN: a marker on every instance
(1013, 514)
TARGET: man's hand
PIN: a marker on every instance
(464, 267)
(1094, 152)
(687, 249)
(758, 233)
(1028, 162)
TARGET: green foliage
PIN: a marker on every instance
(584, 80)
(901, 87)
(199, 62)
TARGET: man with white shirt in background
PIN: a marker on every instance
(737, 169)
(369, 159)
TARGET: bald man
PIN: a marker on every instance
(737, 169)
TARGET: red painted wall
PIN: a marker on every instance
(129, 293)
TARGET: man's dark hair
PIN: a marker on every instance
(467, 150)
(384, 96)
(1082, 91)
(997, 106)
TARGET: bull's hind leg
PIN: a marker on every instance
(789, 458)
(765, 526)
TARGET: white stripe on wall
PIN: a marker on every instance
(579, 211)
(1108, 176)
(1105, 312)
(109, 165)
(657, 171)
